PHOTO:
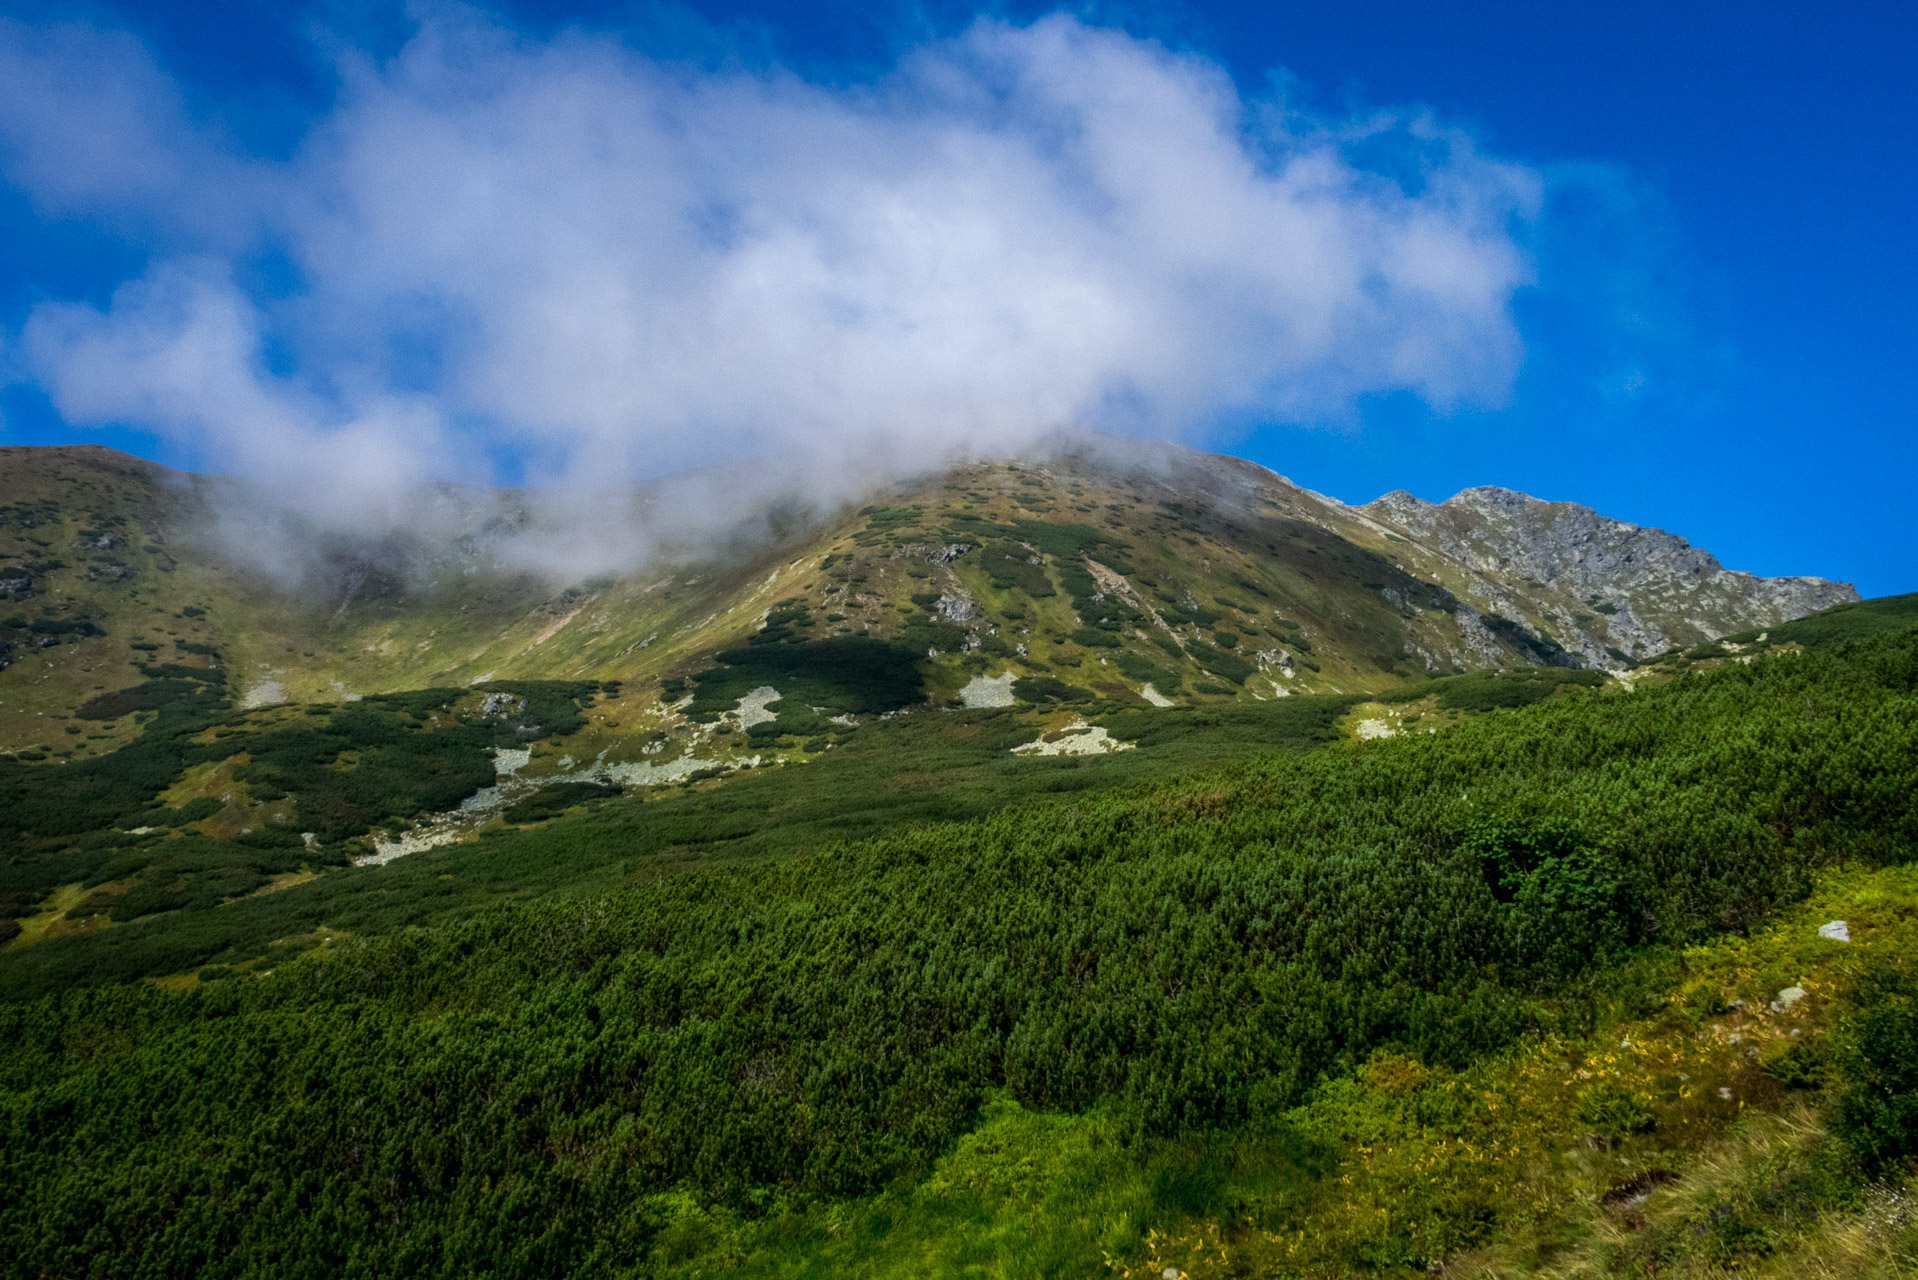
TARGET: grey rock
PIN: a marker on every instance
(501, 704)
(1654, 589)
(1836, 930)
(957, 605)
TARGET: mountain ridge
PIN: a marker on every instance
(1128, 572)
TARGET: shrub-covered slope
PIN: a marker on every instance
(89, 912)
(556, 1086)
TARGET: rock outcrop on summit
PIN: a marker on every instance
(1652, 589)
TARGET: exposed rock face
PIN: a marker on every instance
(957, 606)
(1651, 589)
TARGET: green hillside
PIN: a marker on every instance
(1842, 622)
(1500, 997)
(1068, 571)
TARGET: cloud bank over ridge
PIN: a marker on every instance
(607, 266)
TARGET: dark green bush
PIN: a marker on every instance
(192, 811)
(552, 706)
(1796, 1064)
(927, 631)
(1145, 671)
(403, 768)
(1485, 690)
(1010, 568)
(1048, 689)
(555, 798)
(1228, 665)
(1876, 1061)
(1569, 902)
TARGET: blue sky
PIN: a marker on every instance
(1681, 283)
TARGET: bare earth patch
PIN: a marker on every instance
(264, 694)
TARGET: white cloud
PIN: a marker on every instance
(177, 352)
(617, 267)
(89, 124)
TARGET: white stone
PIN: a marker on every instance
(752, 707)
(1836, 930)
(1076, 739)
(988, 691)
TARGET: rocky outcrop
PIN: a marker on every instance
(1610, 586)
(957, 606)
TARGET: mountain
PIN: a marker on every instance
(1116, 861)
(1139, 575)
(1086, 619)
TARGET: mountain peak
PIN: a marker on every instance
(1489, 498)
(1566, 565)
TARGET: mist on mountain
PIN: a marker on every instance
(569, 266)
